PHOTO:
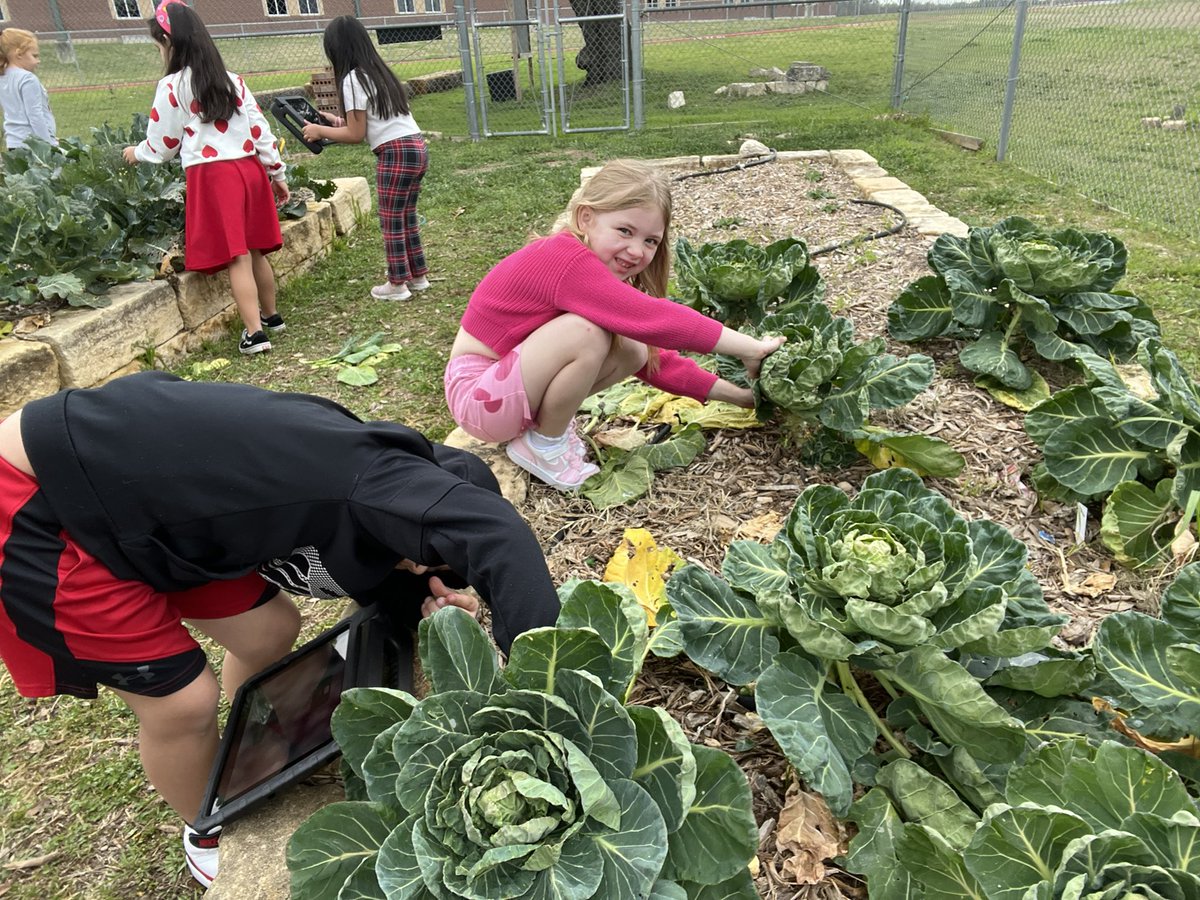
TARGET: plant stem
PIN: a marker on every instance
(886, 684)
(1012, 326)
(851, 688)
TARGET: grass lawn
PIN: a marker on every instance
(75, 807)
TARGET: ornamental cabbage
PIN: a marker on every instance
(535, 781)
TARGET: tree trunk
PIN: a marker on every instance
(602, 48)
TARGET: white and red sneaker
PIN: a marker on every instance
(200, 850)
(564, 466)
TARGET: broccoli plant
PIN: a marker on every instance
(1014, 280)
(531, 781)
(739, 283)
(893, 583)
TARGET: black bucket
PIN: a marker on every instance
(502, 86)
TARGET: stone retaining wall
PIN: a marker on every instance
(157, 323)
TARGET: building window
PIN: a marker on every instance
(127, 9)
(277, 8)
(406, 6)
(310, 7)
(433, 6)
(651, 4)
(670, 4)
(3, 12)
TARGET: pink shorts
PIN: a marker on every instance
(487, 396)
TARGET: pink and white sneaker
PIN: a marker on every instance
(561, 467)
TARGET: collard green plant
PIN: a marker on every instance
(1075, 821)
(532, 781)
(827, 384)
(1014, 280)
(739, 283)
(1133, 437)
(75, 219)
(893, 582)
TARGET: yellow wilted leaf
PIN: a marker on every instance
(641, 565)
(714, 414)
(1187, 745)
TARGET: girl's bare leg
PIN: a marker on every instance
(245, 292)
(252, 640)
(568, 359)
(264, 279)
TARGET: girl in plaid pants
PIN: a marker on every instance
(374, 106)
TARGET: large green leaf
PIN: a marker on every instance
(665, 764)
(739, 887)
(752, 568)
(676, 451)
(1132, 648)
(632, 855)
(920, 453)
(1018, 847)
(456, 653)
(925, 799)
(922, 310)
(397, 870)
(990, 355)
(873, 851)
(821, 731)
(1069, 405)
(327, 848)
(893, 381)
(722, 631)
(719, 836)
(1175, 843)
(538, 655)
(1180, 604)
(1138, 524)
(1048, 674)
(615, 614)
(1090, 456)
(623, 477)
(603, 718)
(956, 705)
(362, 714)
(936, 865)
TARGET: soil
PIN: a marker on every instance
(745, 483)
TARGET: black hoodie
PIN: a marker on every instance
(176, 484)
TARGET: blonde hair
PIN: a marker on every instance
(623, 184)
(14, 41)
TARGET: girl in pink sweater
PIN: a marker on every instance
(571, 314)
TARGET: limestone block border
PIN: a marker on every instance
(159, 322)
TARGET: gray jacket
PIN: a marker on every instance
(26, 108)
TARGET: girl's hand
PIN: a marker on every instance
(312, 132)
(753, 360)
(335, 121)
(281, 191)
(443, 596)
(130, 154)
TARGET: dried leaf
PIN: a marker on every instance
(622, 438)
(30, 324)
(639, 563)
(811, 835)
(762, 528)
(1095, 585)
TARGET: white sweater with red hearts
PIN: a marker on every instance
(175, 128)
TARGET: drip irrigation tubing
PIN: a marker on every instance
(771, 156)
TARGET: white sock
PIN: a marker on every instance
(547, 442)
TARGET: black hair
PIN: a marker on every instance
(190, 46)
(349, 49)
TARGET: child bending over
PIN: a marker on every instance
(570, 314)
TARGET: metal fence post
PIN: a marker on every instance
(464, 60)
(1010, 91)
(898, 71)
(636, 75)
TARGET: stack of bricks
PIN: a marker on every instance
(324, 91)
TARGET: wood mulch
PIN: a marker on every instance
(745, 483)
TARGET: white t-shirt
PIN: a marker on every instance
(379, 131)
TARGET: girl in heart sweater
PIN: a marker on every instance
(207, 117)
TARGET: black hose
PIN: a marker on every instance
(738, 167)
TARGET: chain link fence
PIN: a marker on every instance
(1101, 95)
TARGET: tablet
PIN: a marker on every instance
(278, 729)
(294, 112)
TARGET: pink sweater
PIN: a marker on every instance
(558, 274)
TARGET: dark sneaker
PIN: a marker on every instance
(254, 343)
(273, 323)
(200, 850)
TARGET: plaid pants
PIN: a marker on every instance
(398, 173)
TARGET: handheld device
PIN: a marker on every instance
(279, 725)
(294, 112)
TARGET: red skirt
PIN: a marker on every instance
(230, 210)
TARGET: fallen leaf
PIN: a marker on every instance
(30, 324)
(762, 528)
(1188, 745)
(622, 438)
(1095, 585)
(1183, 548)
(810, 833)
(639, 563)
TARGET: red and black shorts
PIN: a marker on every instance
(68, 624)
